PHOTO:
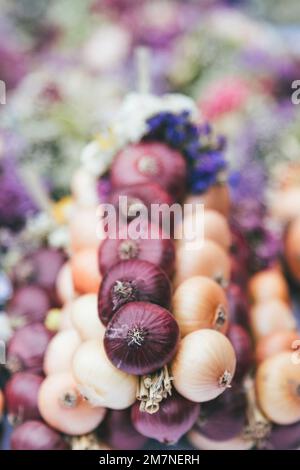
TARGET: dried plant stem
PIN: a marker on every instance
(152, 389)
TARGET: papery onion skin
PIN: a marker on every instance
(271, 316)
(85, 274)
(118, 432)
(64, 409)
(203, 443)
(284, 437)
(223, 418)
(85, 318)
(141, 338)
(241, 342)
(146, 162)
(204, 365)
(159, 251)
(60, 350)
(29, 304)
(132, 280)
(27, 347)
(21, 396)
(35, 435)
(292, 250)
(208, 260)
(275, 343)
(278, 388)
(268, 285)
(99, 381)
(176, 415)
(199, 302)
(216, 198)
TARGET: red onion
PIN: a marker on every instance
(118, 432)
(21, 395)
(241, 342)
(150, 162)
(141, 338)
(158, 251)
(223, 418)
(176, 415)
(129, 281)
(27, 347)
(35, 435)
(238, 305)
(29, 304)
(284, 437)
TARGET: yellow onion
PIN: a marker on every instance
(203, 443)
(86, 229)
(278, 388)
(292, 249)
(99, 381)
(216, 198)
(60, 350)
(85, 319)
(199, 302)
(285, 205)
(208, 260)
(83, 188)
(268, 285)
(271, 316)
(204, 365)
(84, 265)
(64, 284)
(275, 343)
(63, 408)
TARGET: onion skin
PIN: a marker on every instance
(292, 249)
(118, 432)
(142, 281)
(60, 413)
(216, 198)
(150, 162)
(208, 260)
(271, 316)
(203, 443)
(99, 381)
(85, 318)
(27, 347)
(160, 252)
(60, 350)
(29, 304)
(21, 396)
(278, 388)
(275, 343)
(141, 338)
(175, 417)
(204, 365)
(200, 302)
(64, 284)
(35, 435)
(242, 346)
(268, 285)
(85, 274)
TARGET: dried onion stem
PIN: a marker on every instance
(153, 388)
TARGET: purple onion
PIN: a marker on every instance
(26, 349)
(118, 432)
(35, 435)
(238, 305)
(129, 281)
(284, 437)
(29, 304)
(141, 338)
(241, 342)
(176, 416)
(21, 397)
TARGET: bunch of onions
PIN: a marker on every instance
(118, 432)
(60, 351)
(275, 343)
(36, 435)
(21, 397)
(150, 162)
(157, 250)
(292, 250)
(141, 338)
(199, 302)
(85, 273)
(199, 441)
(204, 365)
(63, 408)
(271, 316)
(208, 260)
(176, 415)
(64, 284)
(29, 304)
(242, 345)
(129, 281)
(99, 381)
(268, 285)
(278, 388)
(27, 347)
(85, 318)
(216, 198)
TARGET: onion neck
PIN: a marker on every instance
(14, 365)
(69, 399)
(123, 292)
(128, 249)
(152, 389)
(258, 427)
(225, 379)
(147, 165)
(220, 317)
(136, 336)
(220, 279)
(86, 442)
